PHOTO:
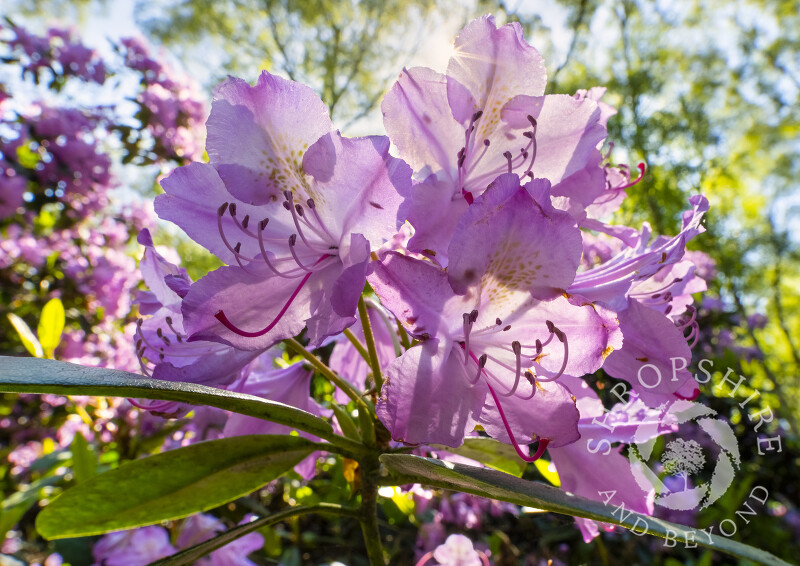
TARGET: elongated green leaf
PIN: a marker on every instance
(492, 453)
(31, 375)
(15, 506)
(50, 461)
(51, 325)
(345, 421)
(405, 468)
(84, 460)
(171, 485)
(27, 336)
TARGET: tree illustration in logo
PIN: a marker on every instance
(684, 458)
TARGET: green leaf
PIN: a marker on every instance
(17, 504)
(171, 485)
(84, 460)
(492, 453)
(27, 157)
(51, 325)
(29, 340)
(405, 468)
(30, 375)
(48, 462)
(345, 421)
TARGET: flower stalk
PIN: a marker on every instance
(365, 411)
(369, 510)
(357, 344)
(369, 338)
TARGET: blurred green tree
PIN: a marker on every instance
(348, 51)
(708, 96)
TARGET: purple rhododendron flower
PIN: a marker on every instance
(514, 298)
(58, 48)
(498, 259)
(139, 547)
(169, 109)
(486, 116)
(612, 474)
(165, 353)
(12, 187)
(296, 207)
(611, 281)
(477, 347)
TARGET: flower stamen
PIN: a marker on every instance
(244, 223)
(220, 315)
(288, 204)
(233, 249)
(517, 348)
(542, 442)
(292, 243)
(563, 339)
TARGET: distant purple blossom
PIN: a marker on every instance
(201, 527)
(137, 547)
(58, 51)
(457, 550)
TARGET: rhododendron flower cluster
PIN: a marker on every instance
(61, 241)
(169, 107)
(59, 52)
(57, 184)
(56, 151)
(486, 241)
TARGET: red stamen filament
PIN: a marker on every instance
(542, 442)
(641, 168)
(220, 316)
